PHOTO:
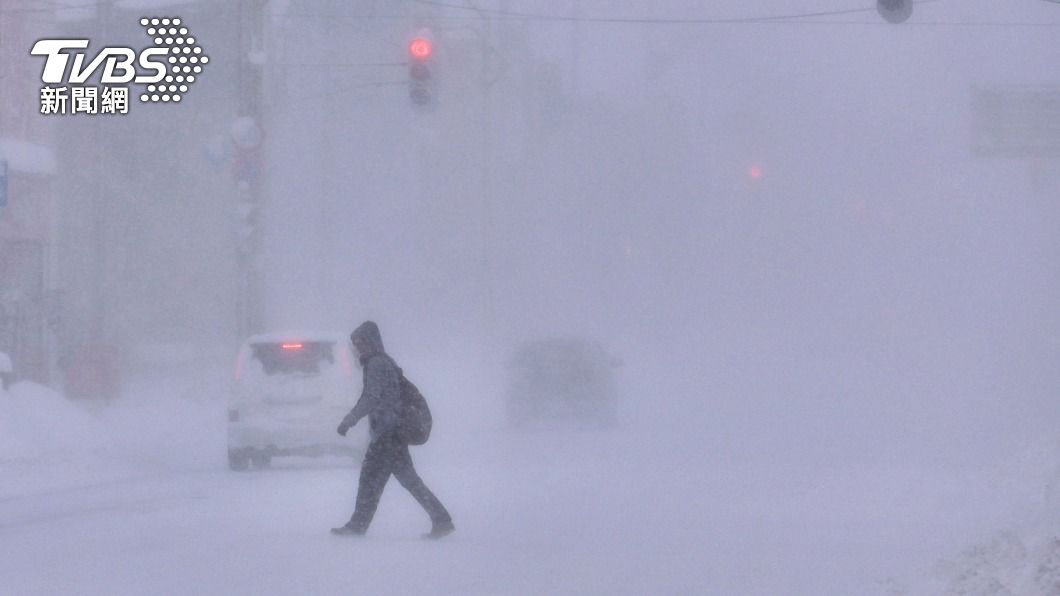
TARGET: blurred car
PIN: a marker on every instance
(558, 379)
(289, 395)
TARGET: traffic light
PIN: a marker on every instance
(421, 82)
(895, 11)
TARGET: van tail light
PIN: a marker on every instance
(233, 415)
(347, 365)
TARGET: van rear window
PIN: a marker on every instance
(293, 357)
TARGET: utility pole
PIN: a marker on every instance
(250, 195)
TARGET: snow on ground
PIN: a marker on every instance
(47, 442)
(1018, 554)
(1022, 562)
(134, 498)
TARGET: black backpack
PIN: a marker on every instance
(415, 423)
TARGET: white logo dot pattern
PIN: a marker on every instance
(185, 57)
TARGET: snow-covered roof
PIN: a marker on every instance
(27, 157)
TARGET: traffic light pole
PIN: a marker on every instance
(249, 182)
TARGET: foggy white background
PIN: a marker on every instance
(834, 374)
(879, 286)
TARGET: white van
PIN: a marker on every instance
(289, 394)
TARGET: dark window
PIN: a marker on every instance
(293, 357)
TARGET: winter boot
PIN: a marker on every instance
(440, 530)
(348, 530)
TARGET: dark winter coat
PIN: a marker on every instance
(381, 396)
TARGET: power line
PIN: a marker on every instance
(650, 21)
(763, 22)
(955, 24)
(792, 19)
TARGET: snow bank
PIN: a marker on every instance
(48, 442)
(1021, 557)
(1011, 562)
(37, 423)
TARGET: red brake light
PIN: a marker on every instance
(347, 366)
(291, 346)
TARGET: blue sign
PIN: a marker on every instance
(3, 183)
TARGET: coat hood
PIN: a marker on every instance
(367, 340)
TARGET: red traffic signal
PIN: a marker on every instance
(421, 48)
(421, 63)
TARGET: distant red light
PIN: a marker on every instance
(347, 364)
(755, 172)
(291, 346)
(421, 48)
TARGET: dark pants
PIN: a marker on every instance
(387, 455)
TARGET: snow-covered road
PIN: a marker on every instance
(528, 523)
(629, 511)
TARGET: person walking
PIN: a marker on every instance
(388, 452)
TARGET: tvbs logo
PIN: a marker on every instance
(166, 70)
(119, 66)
